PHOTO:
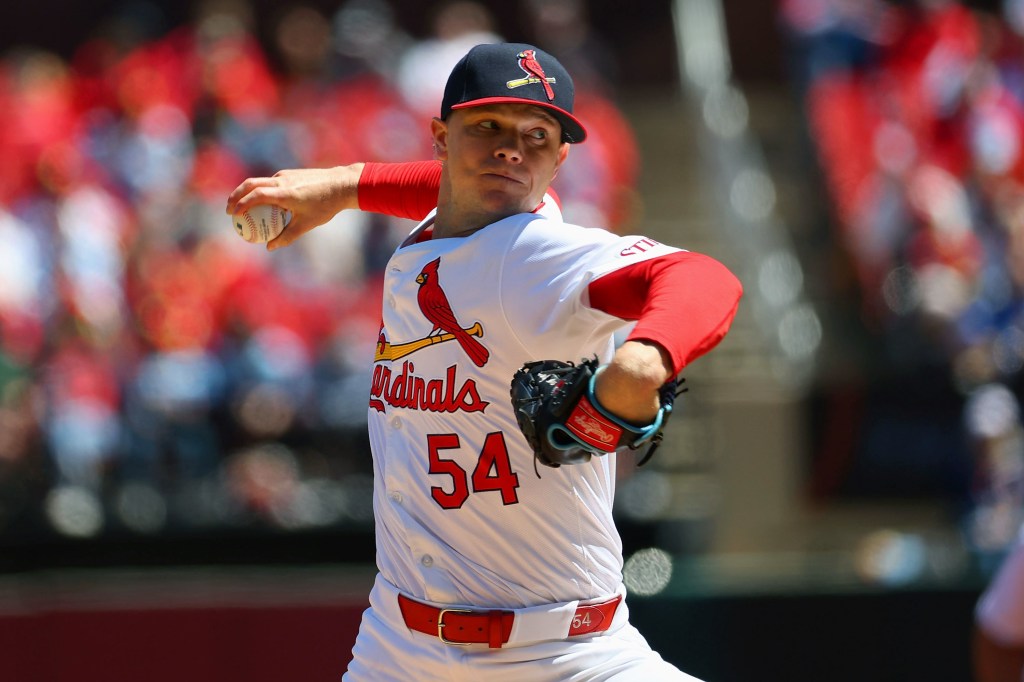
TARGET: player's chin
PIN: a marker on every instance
(506, 204)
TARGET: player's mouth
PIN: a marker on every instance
(503, 177)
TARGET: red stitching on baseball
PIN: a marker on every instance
(252, 224)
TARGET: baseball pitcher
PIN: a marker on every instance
(498, 396)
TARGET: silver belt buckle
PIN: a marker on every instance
(440, 626)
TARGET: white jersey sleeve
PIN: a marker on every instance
(543, 280)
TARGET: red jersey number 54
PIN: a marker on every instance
(493, 471)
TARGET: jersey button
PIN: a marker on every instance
(396, 497)
(392, 301)
(427, 560)
(396, 423)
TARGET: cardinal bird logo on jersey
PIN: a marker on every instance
(435, 307)
(534, 74)
(402, 386)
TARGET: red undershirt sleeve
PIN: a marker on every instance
(684, 302)
(404, 190)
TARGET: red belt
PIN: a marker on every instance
(493, 627)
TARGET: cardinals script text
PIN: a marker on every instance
(417, 393)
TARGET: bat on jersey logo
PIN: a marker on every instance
(397, 351)
(534, 74)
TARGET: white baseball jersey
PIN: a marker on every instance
(461, 517)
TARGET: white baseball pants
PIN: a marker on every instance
(387, 651)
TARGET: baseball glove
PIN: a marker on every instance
(564, 423)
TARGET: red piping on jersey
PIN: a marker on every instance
(684, 302)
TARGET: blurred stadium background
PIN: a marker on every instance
(184, 473)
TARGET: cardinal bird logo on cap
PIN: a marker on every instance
(435, 307)
(534, 72)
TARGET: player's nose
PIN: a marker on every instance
(509, 148)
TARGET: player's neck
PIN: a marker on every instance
(455, 220)
(445, 227)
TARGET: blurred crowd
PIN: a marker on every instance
(155, 370)
(916, 112)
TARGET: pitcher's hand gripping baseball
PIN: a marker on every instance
(563, 421)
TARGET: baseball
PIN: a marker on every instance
(261, 223)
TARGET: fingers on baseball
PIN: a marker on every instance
(254, 191)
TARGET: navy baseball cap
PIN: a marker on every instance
(497, 73)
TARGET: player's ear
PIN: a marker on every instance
(439, 133)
